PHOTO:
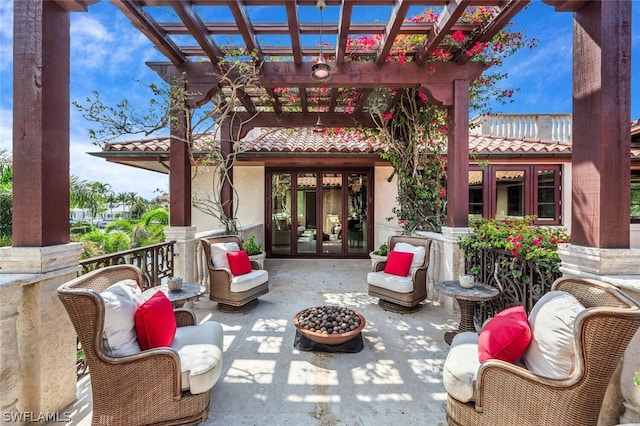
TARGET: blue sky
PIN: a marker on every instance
(109, 54)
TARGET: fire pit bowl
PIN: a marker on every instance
(335, 338)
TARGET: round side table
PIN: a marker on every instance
(189, 291)
(467, 299)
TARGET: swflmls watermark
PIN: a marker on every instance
(31, 417)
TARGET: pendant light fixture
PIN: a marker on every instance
(321, 71)
(318, 127)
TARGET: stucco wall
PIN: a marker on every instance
(249, 182)
(384, 201)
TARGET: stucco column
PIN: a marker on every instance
(452, 263)
(620, 267)
(38, 339)
(10, 296)
(185, 251)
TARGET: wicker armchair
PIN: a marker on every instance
(140, 389)
(224, 288)
(510, 395)
(389, 298)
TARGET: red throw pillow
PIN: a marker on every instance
(155, 322)
(239, 262)
(398, 263)
(506, 336)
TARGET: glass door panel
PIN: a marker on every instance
(281, 213)
(331, 227)
(546, 195)
(307, 226)
(357, 213)
(509, 193)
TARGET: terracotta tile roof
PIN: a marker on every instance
(485, 144)
(288, 140)
(306, 140)
(157, 144)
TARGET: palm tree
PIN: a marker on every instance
(87, 195)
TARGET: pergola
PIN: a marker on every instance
(601, 96)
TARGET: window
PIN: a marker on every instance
(635, 196)
(501, 191)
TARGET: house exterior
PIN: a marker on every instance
(321, 195)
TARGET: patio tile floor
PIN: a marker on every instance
(395, 379)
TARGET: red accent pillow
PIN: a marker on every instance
(239, 262)
(155, 322)
(506, 336)
(398, 263)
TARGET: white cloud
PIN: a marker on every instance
(121, 178)
(6, 35)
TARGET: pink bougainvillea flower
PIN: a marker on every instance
(387, 115)
(443, 192)
(422, 96)
(458, 36)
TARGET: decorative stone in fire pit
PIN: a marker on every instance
(329, 325)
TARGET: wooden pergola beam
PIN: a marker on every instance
(197, 29)
(151, 29)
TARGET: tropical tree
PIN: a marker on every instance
(6, 185)
(88, 195)
(414, 132)
(235, 78)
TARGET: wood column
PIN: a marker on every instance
(226, 147)
(40, 124)
(458, 157)
(180, 171)
(601, 125)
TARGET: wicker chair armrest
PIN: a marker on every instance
(419, 277)
(133, 370)
(184, 317)
(221, 275)
(379, 265)
(508, 385)
(255, 265)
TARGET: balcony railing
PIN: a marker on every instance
(550, 127)
(155, 261)
(520, 281)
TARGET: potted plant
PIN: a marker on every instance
(379, 255)
(254, 250)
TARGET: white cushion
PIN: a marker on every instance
(120, 303)
(244, 282)
(418, 253)
(391, 282)
(219, 254)
(551, 352)
(200, 351)
(460, 369)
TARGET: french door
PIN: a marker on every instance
(319, 212)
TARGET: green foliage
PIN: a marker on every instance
(82, 228)
(251, 246)
(383, 250)
(117, 241)
(5, 216)
(119, 225)
(156, 217)
(519, 236)
(414, 137)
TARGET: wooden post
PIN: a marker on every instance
(601, 125)
(458, 157)
(226, 147)
(180, 171)
(40, 124)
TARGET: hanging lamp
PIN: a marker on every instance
(321, 71)
(318, 127)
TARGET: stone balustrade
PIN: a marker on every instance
(550, 127)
